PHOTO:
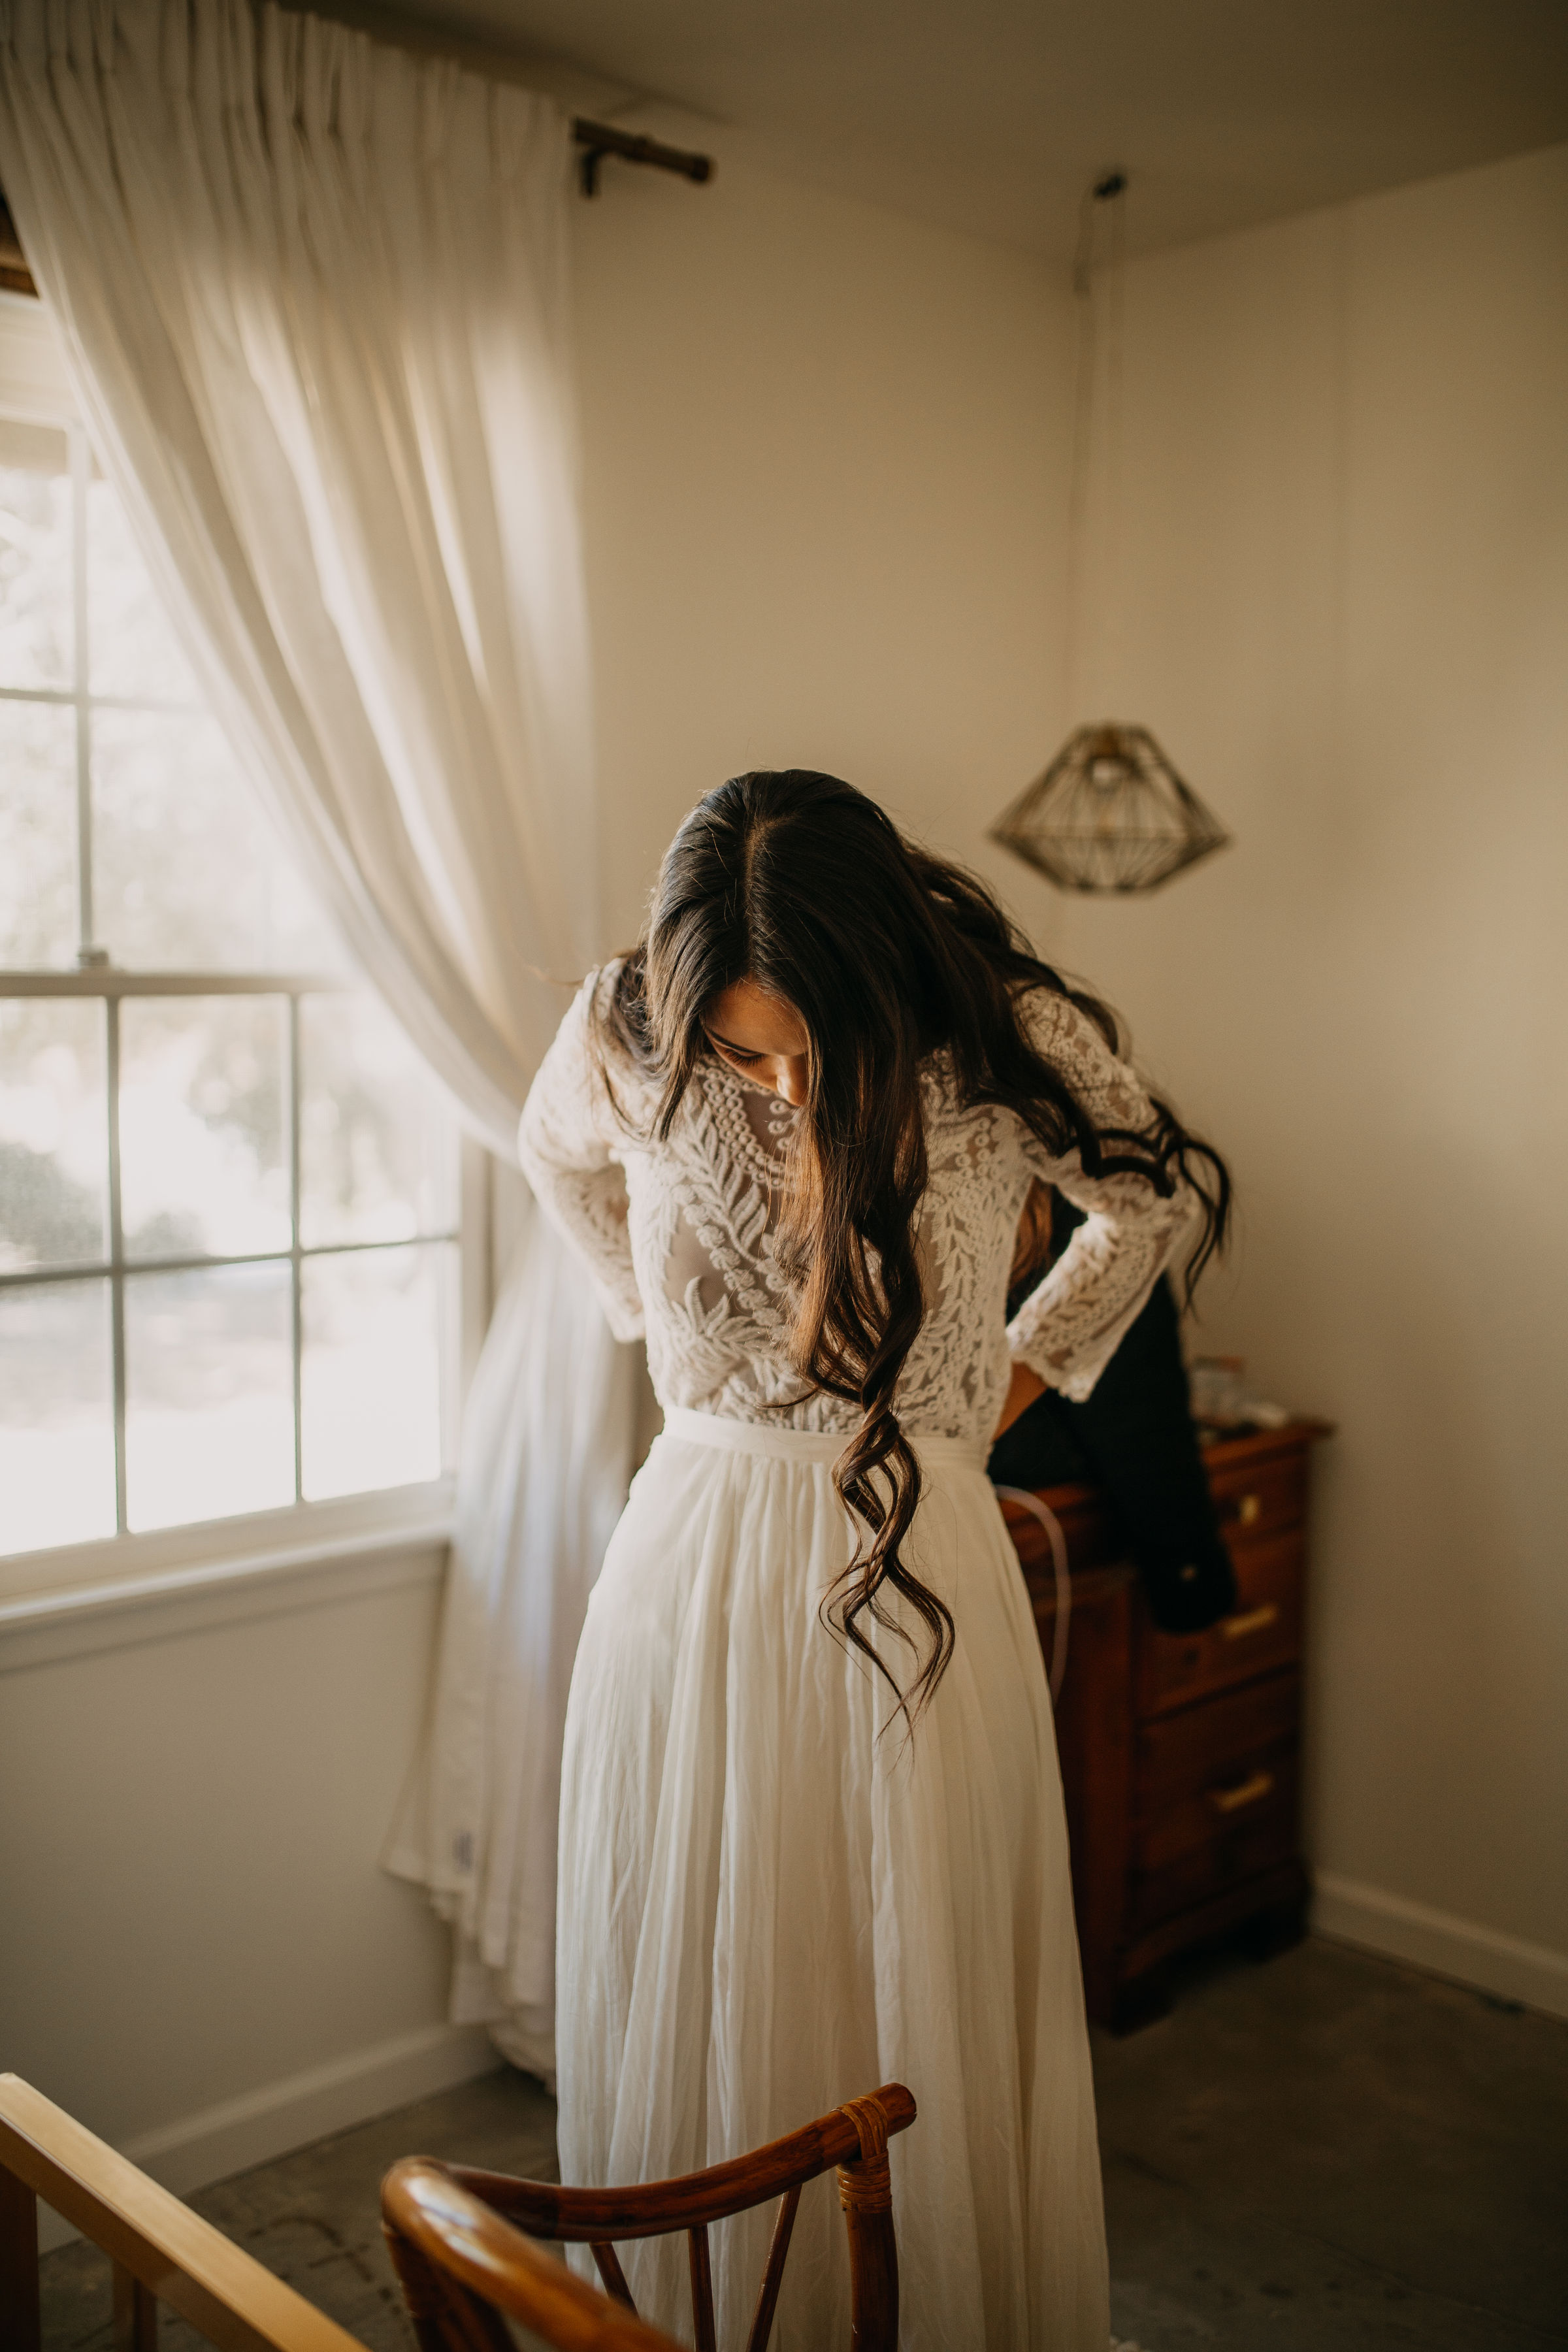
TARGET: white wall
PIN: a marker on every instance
(1346, 618)
(208, 1799)
(198, 1956)
(825, 482)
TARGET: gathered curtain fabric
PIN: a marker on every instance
(314, 300)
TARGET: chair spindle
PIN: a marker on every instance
(772, 2272)
(610, 2270)
(701, 2289)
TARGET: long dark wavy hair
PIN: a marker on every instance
(800, 883)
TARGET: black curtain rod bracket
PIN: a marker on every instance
(598, 140)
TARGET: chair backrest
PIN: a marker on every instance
(460, 2266)
(854, 2138)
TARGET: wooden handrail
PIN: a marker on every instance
(162, 2252)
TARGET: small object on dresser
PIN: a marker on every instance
(1216, 1386)
(1222, 1401)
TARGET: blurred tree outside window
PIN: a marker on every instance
(228, 1190)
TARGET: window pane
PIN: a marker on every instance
(203, 1168)
(57, 1415)
(38, 836)
(186, 872)
(376, 1337)
(54, 1134)
(378, 1148)
(209, 1418)
(131, 649)
(36, 630)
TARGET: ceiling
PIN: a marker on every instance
(992, 116)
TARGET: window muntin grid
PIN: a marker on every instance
(410, 1247)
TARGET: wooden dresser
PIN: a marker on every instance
(1181, 1752)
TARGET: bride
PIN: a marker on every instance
(811, 1822)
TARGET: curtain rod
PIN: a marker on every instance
(596, 140)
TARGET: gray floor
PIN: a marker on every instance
(1328, 2151)
(1322, 2154)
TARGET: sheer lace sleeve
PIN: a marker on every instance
(568, 1142)
(1073, 1321)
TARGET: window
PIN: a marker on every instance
(228, 1191)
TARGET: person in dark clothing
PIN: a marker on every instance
(1134, 1438)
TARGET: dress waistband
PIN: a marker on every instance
(782, 1444)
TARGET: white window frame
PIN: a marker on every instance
(113, 1569)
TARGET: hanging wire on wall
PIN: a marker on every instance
(1109, 813)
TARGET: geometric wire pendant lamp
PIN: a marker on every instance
(1111, 814)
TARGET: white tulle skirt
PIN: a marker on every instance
(771, 1899)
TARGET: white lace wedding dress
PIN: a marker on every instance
(771, 1900)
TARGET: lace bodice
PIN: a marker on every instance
(679, 1235)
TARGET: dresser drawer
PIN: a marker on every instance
(1262, 1633)
(1216, 1797)
(1256, 1499)
(1260, 1834)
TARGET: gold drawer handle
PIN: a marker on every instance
(1248, 1510)
(1251, 1621)
(1246, 1792)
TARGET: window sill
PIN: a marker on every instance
(133, 1589)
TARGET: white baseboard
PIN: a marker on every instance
(239, 2132)
(1481, 1956)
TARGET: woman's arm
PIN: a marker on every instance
(565, 1141)
(1074, 1319)
(1024, 1387)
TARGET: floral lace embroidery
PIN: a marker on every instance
(680, 1235)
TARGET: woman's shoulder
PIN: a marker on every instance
(590, 1016)
(585, 1063)
(594, 1004)
(1063, 1031)
(602, 1041)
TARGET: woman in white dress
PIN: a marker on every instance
(811, 1822)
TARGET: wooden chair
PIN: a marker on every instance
(461, 2260)
(461, 2266)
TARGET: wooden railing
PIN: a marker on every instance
(160, 2251)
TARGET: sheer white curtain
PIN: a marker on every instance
(313, 295)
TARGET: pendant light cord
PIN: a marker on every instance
(1113, 601)
(1083, 603)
